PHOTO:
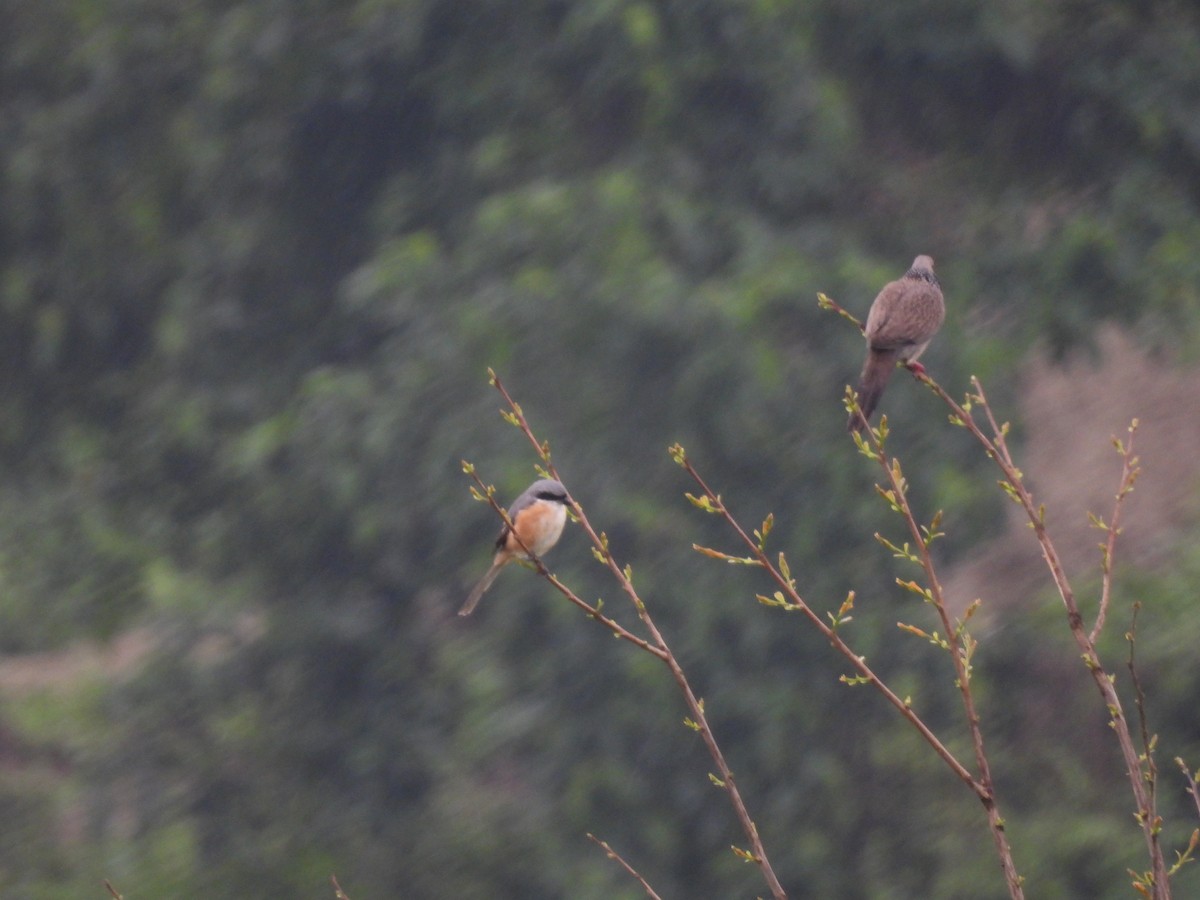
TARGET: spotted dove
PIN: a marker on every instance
(902, 321)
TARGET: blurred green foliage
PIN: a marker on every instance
(255, 259)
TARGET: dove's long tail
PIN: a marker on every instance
(875, 375)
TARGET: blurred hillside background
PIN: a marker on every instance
(255, 259)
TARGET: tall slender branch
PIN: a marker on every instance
(996, 447)
(1192, 787)
(614, 855)
(1139, 702)
(958, 643)
(865, 673)
(657, 646)
(1129, 474)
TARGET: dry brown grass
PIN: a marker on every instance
(1069, 413)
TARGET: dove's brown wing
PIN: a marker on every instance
(906, 314)
(903, 319)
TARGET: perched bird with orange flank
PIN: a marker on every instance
(537, 517)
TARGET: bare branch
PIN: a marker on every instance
(959, 644)
(1191, 782)
(1140, 704)
(613, 854)
(1129, 474)
(826, 303)
(657, 645)
(797, 602)
(997, 449)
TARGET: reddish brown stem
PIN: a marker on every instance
(860, 665)
(997, 449)
(1129, 473)
(614, 855)
(958, 649)
(657, 645)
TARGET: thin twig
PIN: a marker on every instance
(1191, 781)
(112, 890)
(1139, 702)
(1013, 484)
(1129, 474)
(957, 642)
(338, 893)
(997, 448)
(865, 673)
(613, 854)
(826, 303)
(657, 645)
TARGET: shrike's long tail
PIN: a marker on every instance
(477, 593)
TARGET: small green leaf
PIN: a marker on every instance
(742, 854)
(725, 557)
(970, 611)
(784, 569)
(914, 588)
(761, 534)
